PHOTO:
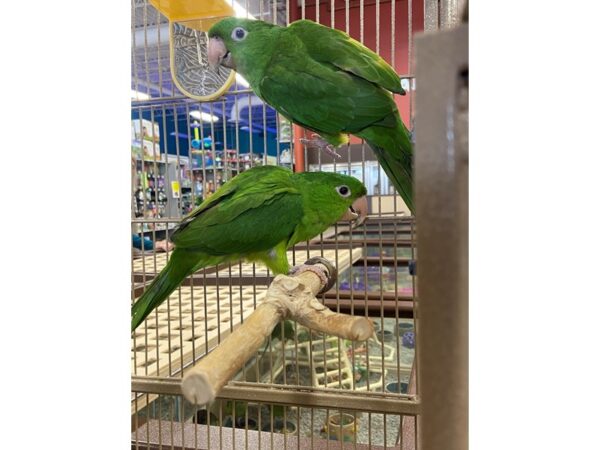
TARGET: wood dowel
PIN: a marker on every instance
(203, 382)
(288, 297)
(342, 325)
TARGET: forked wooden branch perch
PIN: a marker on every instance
(288, 297)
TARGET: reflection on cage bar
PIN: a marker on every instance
(364, 393)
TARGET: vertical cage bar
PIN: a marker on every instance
(442, 222)
(432, 15)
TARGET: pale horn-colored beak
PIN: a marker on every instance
(218, 55)
(357, 212)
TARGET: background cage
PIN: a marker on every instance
(367, 394)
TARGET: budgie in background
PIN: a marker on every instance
(323, 80)
(255, 216)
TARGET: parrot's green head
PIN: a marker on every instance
(235, 42)
(333, 196)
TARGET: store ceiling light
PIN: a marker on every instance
(240, 11)
(406, 84)
(137, 95)
(205, 117)
(241, 80)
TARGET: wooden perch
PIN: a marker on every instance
(288, 297)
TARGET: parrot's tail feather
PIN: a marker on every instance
(181, 264)
(393, 149)
(399, 169)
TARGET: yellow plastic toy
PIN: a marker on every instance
(188, 22)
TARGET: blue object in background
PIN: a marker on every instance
(237, 135)
(408, 339)
(393, 387)
(357, 285)
(142, 243)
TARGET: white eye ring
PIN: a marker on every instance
(239, 34)
(344, 191)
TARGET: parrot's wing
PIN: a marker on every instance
(250, 214)
(328, 45)
(328, 101)
(226, 190)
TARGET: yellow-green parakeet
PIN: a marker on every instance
(255, 216)
(323, 80)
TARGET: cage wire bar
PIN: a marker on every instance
(292, 392)
(442, 65)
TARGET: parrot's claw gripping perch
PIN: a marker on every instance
(317, 142)
(330, 276)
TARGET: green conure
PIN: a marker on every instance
(323, 80)
(256, 216)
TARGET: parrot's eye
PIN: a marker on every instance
(238, 34)
(343, 190)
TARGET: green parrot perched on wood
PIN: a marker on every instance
(255, 216)
(323, 80)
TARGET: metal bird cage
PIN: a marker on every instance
(302, 389)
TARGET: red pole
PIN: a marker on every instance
(298, 148)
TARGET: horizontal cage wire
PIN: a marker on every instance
(169, 421)
(185, 147)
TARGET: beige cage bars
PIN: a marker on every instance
(403, 388)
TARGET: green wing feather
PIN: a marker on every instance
(322, 97)
(331, 46)
(254, 215)
(245, 216)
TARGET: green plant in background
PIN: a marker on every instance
(239, 407)
(278, 410)
(288, 330)
(303, 335)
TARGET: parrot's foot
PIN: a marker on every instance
(326, 271)
(317, 142)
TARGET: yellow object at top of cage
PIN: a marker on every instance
(196, 14)
(189, 20)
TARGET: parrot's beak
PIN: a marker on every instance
(357, 212)
(218, 55)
